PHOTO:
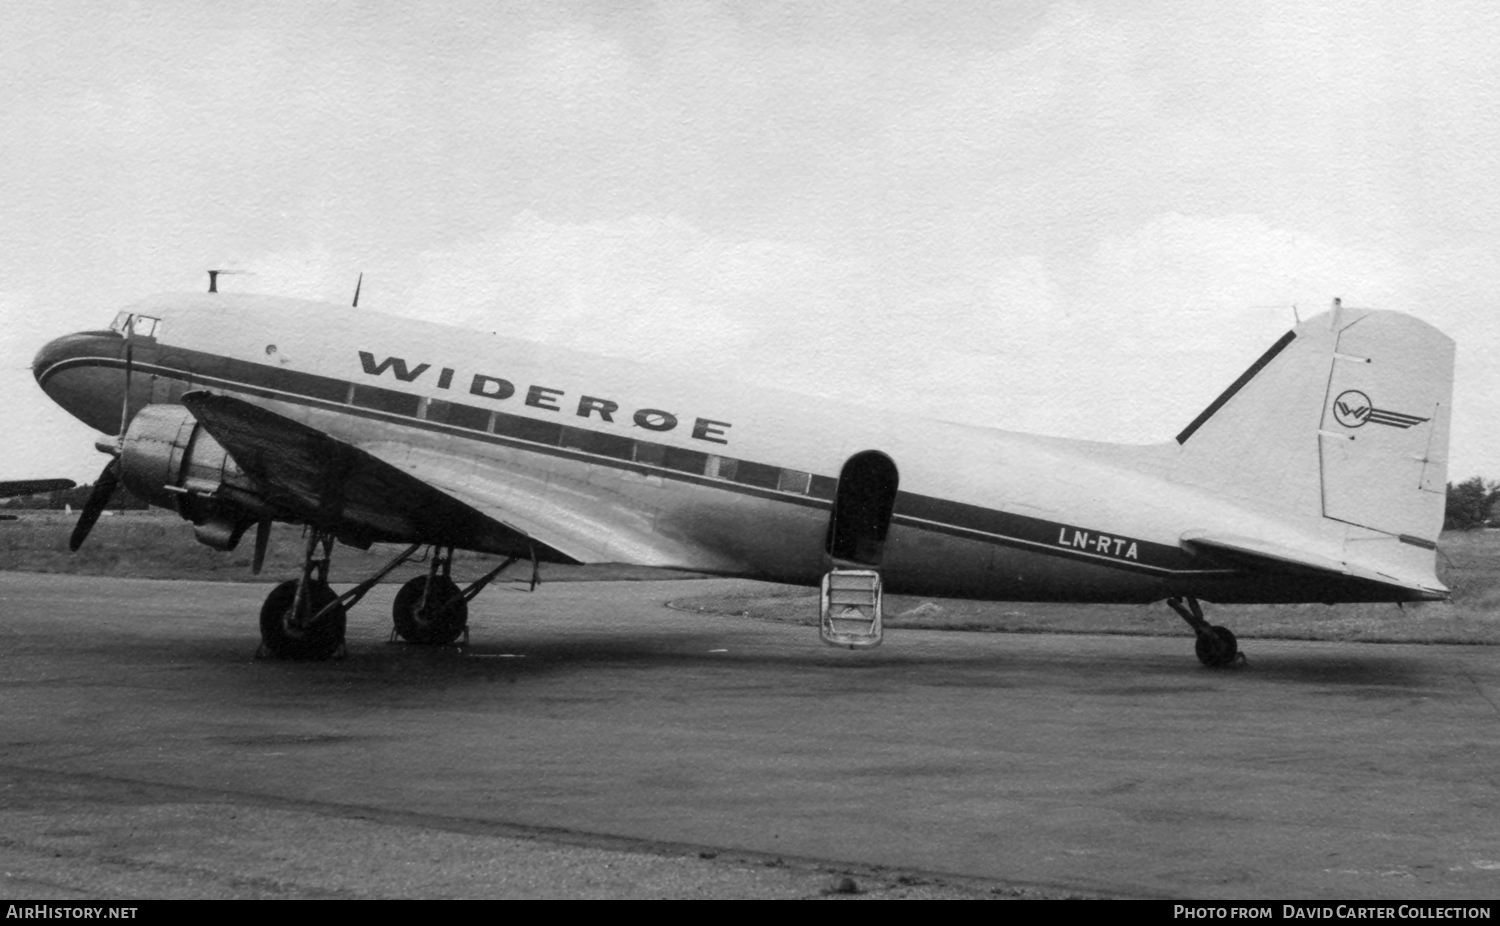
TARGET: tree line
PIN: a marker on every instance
(1470, 503)
(121, 500)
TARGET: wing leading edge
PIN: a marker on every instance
(313, 477)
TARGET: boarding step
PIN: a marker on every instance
(850, 614)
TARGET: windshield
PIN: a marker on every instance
(144, 325)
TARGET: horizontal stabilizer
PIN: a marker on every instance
(316, 478)
(1257, 555)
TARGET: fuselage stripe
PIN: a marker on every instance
(760, 480)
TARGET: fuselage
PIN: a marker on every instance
(615, 461)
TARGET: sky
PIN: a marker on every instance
(1073, 218)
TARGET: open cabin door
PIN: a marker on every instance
(857, 528)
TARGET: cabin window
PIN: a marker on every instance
(794, 481)
(385, 400)
(317, 387)
(607, 445)
(462, 416)
(757, 474)
(687, 461)
(467, 416)
(522, 428)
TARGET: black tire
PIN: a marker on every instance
(1217, 648)
(433, 625)
(317, 641)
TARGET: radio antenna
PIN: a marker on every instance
(213, 278)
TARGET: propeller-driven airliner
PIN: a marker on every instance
(13, 487)
(1317, 476)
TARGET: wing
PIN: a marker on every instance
(310, 476)
(1266, 557)
(559, 507)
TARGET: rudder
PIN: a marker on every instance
(1384, 433)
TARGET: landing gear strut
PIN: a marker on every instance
(430, 609)
(1216, 646)
(302, 618)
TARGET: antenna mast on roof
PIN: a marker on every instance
(213, 278)
(357, 285)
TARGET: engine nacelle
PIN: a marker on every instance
(168, 459)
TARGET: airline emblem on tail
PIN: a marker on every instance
(1352, 409)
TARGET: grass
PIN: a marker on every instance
(158, 545)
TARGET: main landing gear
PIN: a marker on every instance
(304, 619)
(1216, 646)
(430, 609)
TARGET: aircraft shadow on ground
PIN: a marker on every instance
(1368, 670)
(1362, 666)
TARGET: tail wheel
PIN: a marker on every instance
(288, 639)
(441, 620)
(1217, 647)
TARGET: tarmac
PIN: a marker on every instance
(590, 742)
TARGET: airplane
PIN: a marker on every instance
(12, 487)
(1318, 475)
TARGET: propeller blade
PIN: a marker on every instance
(98, 499)
(262, 537)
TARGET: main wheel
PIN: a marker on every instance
(286, 640)
(443, 618)
(1217, 648)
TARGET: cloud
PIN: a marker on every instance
(1076, 67)
(1004, 213)
(1194, 270)
(654, 288)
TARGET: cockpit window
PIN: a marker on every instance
(144, 325)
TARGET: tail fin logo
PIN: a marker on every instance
(1352, 409)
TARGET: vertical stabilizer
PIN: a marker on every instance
(1257, 443)
(1345, 419)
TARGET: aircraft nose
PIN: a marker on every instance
(80, 372)
(83, 344)
(51, 352)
